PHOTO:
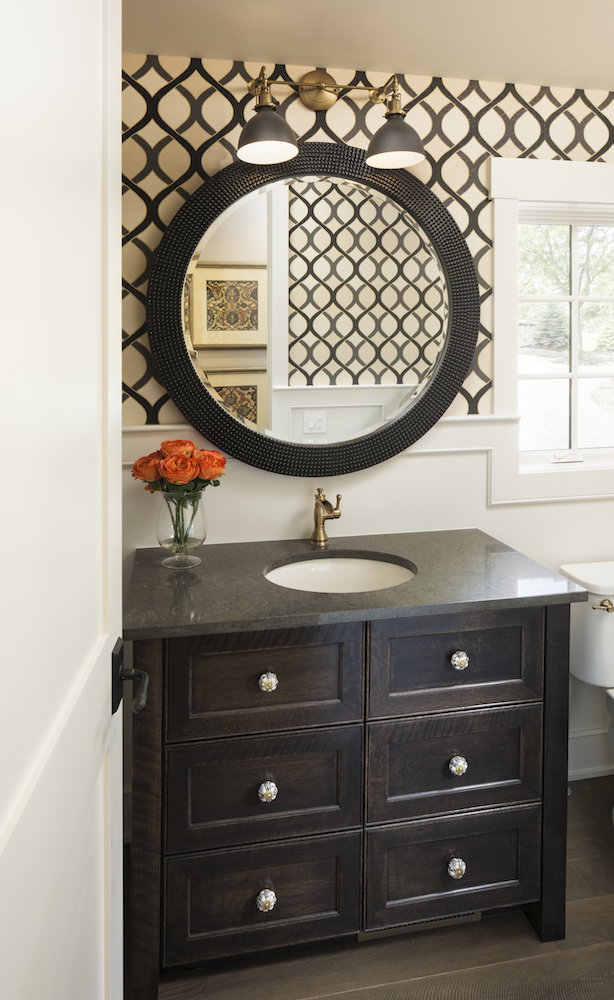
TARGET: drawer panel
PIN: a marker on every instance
(210, 902)
(213, 686)
(407, 865)
(213, 801)
(408, 762)
(411, 670)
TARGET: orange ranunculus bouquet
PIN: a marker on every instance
(180, 472)
(179, 464)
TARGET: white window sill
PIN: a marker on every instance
(542, 461)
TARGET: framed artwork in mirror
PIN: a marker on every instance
(242, 391)
(227, 305)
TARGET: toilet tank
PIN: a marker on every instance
(594, 663)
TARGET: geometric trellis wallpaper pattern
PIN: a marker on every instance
(367, 295)
(182, 120)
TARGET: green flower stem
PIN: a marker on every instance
(178, 504)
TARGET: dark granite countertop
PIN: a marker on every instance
(459, 570)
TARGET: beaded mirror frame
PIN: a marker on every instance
(237, 439)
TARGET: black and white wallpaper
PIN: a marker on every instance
(182, 120)
(368, 300)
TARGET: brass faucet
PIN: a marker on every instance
(323, 511)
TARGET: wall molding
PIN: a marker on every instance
(494, 435)
(598, 731)
(544, 181)
(590, 754)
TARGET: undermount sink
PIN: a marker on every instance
(336, 574)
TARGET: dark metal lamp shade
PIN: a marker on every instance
(396, 144)
(267, 138)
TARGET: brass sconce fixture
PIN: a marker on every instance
(267, 137)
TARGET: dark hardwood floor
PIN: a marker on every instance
(499, 958)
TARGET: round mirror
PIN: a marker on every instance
(314, 317)
(358, 314)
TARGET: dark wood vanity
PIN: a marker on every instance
(314, 766)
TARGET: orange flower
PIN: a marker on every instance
(178, 447)
(148, 467)
(179, 469)
(211, 464)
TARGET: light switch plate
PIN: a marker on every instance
(314, 422)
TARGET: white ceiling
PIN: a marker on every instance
(553, 42)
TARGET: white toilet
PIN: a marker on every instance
(594, 663)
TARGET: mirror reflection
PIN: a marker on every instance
(315, 309)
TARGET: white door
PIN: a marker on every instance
(60, 609)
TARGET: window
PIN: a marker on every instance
(565, 330)
(553, 332)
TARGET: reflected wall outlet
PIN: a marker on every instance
(314, 422)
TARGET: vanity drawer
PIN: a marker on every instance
(214, 681)
(408, 762)
(213, 788)
(407, 865)
(411, 669)
(211, 899)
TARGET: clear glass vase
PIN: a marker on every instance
(181, 527)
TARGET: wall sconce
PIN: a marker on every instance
(267, 137)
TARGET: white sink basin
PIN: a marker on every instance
(340, 575)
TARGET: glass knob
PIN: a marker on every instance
(458, 765)
(265, 900)
(459, 660)
(456, 868)
(267, 791)
(268, 681)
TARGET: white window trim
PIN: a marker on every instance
(573, 188)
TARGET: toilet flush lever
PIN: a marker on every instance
(606, 605)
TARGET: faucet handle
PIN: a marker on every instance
(321, 496)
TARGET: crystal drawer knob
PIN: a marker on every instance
(267, 791)
(458, 765)
(459, 660)
(456, 868)
(268, 681)
(265, 900)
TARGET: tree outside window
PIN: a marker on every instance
(566, 337)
